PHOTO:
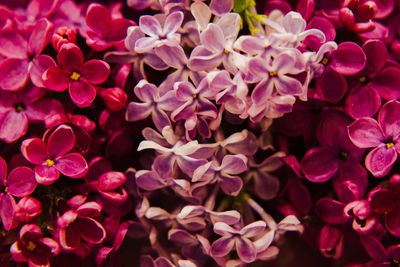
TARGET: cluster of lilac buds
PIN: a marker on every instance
(199, 133)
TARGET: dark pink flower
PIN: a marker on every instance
(23, 57)
(382, 135)
(374, 81)
(110, 187)
(347, 59)
(331, 242)
(77, 224)
(19, 183)
(52, 157)
(387, 201)
(380, 255)
(105, 30)
(27, 209)
(337, 155)
(31, 247)
(76, 75)
(19, 108)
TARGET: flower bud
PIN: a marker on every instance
(330, 242)
(27, 209)
(115, 98)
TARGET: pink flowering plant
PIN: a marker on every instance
(196, 133)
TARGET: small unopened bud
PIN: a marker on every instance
(27, 209)
(115, 98)
(330, 242)
(63, 35)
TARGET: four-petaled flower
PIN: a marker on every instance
(52, 158)
(76, 75)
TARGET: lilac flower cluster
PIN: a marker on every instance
(198, 133)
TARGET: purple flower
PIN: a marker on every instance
(20, 182)
(213, 171)
(217, 45)
(382, 135)
(157, 34)
(266, 185)
(194, 106)
(274, 78)
(131, 57)
(231, 237)
(52, 157)
(76, 75)
(31, 247)
(153, 104)
(173, 152)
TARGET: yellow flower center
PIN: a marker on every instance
(226, 51)
(273, 73)
(6, 189)
(50, 162)
(19, 108)
(363, 79)
(389, 145)
(325, 61)
(344, 154)
(75, 76)
(31, 246)
(194, 96)
(395, 261)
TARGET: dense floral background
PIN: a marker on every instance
(162, 133)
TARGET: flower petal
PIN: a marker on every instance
(72, 165)
(222, 246)
(61, 141)
(21, 182)
(46, 175)
(347, 59)
(392, 221)
(13, 125)
(246, 250)
(95, 71)
(69, 237)
(98, 18)
(389, 119)
(319, 165)
(70, 57)
(172, 22)
(90, 230)
(82, 93)
(366, 132)
(13, 73)
(54, 78)
(34, 150)
(7, 206)
(380, 160)
(330, 211)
